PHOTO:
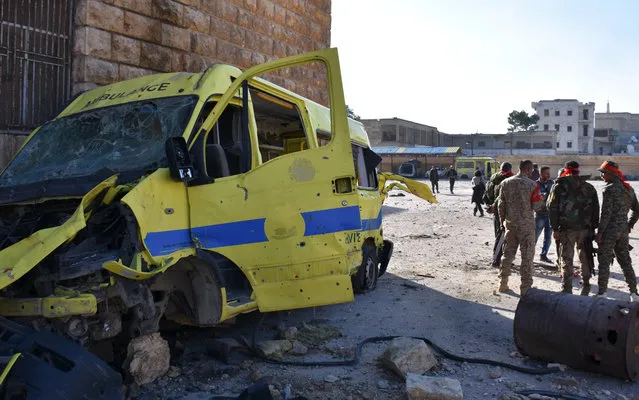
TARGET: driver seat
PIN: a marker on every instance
(216, 164)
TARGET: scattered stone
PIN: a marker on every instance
(274, 348)
(298, 349)
(407, 355)
(289, 333)
(173, 372)
(312, 335)
(494, 373)
(419, 387)
(565, 381)
(536, 396)
(254, 374)
(516, 354)
(147, 359)
(383, 384)
(561, 367)
(331, 379)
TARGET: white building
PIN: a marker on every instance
(573, 121)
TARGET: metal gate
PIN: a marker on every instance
(35, 61)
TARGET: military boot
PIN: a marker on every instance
(503, 285)
(585, 290)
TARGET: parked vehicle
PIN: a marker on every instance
(411, 169)
(194, 198)
(466, 166)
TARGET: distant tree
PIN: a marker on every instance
(350, 113)
(520, 121)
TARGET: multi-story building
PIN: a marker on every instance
(400, 132)
(573, 121)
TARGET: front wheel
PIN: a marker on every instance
(365, 279)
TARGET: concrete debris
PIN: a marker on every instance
(299, 349)
(173, 372)
(406, 355)
(565, 381)
(274, 348)
(289, 333)
(561, 367)
(419, 387)
(317, 335)
(148, 358)
(331, 379)
(494, 373)
(383, 384)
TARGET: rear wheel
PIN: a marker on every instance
(365, 279)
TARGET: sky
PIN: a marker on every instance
(464, 65)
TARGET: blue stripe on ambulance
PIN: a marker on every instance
(252, 231)
(372, 224)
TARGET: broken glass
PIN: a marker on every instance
(125, 137)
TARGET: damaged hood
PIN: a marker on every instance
(23, 256)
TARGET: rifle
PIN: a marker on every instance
(498, 248)
(591, 253)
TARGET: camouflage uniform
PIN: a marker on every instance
(573, 208)
(614, 227)
(491, 196)
(518, 198)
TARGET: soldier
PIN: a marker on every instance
(518, 198)
(433, 175)
(452, 177)
(614, 226)
(573, 209)
(492, 192)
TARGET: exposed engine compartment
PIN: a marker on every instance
(75, 269)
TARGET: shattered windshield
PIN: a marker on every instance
(126, 137)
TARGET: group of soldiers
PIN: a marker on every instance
(571, 207)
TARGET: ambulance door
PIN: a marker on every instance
(280, 216)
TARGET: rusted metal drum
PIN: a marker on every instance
(588, 333)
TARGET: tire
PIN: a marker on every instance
(365, 279)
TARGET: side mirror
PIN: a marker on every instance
(180, 164)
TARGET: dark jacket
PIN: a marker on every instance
(433, 175)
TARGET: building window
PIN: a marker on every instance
(481, 143)
(556, 113)
(402, 134)
(569, 145)
(557, 127)
(557, 144)
(388, 133)
(586, 114)
(585, 130)
(569, 128)
(546, 113)
(570, 113)
(545, 127)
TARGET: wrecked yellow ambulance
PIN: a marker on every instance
(192, 197)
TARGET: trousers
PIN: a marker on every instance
(523, 238)
(615, 244)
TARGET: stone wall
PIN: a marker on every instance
(121, 39)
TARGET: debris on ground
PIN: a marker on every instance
(317, 335)
(274, 348)
(419, 387)
(407, 355)
(148, 358)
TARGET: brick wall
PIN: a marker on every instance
(122, 39)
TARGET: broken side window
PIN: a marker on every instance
(365, 161)
(280, 129)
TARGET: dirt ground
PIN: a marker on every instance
(439, 285)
